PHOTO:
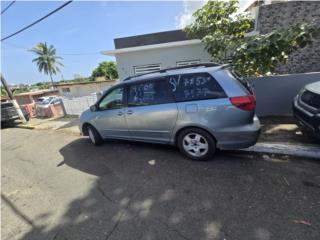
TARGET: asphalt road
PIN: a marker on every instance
(58, 186)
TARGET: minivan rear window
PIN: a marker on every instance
(242, 80)
(195, 86)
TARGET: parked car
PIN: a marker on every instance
(43, 103)
(306, 107)
(198, 108)
(9, 113)
(46, 101)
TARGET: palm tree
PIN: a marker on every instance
(47, 60)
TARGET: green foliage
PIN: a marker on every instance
(79, 78)
(20, 90)
(47, 60)
(225, 35)
(42, 85)
(76, 80)
(105, 69)
(3, 92)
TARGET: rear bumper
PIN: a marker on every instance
(238, 137)
(310, 120)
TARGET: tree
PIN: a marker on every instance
(42, 85)
(3, 92)
(105, 69)
(78, 78)
(47, 60)
(226, 37)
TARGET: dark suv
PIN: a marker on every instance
(306, 107)
(9, 113)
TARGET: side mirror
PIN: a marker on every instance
(93, 108)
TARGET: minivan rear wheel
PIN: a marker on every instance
(196, 144)
(94, 136)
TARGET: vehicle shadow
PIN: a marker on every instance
(10, 124)
(146, 191)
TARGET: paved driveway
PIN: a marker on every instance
(58, 186)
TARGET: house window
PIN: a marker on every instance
(66, 90)
(186, 63)
(146, 68)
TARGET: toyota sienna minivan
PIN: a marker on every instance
(198, 108)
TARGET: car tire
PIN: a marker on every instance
(196, 144)
(94, 136)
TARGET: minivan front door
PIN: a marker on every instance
(151, 113)
(110, 119)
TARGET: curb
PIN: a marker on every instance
(25, 127)
(307, 151)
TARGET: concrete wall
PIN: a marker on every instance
(76, 106)
(275, 93)
(79, 90)
(283, 15)
(32, 97)
(23, 99)
(167, 57)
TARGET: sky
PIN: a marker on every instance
(84, 28)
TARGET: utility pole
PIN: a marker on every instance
(14, 102)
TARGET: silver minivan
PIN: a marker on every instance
(199, 108)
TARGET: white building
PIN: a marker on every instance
(155, 51)
(83, 88)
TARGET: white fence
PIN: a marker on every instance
(75, 106)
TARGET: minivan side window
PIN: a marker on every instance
(195, 86)
(112, 100)
(149, 93)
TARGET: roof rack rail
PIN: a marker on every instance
(205, 64)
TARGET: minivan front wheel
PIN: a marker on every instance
(196, 144)
(94, 136)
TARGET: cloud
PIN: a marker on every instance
(189, 7)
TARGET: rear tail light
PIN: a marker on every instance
(247, 103)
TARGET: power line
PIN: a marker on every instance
(10, 4)
(39, 20)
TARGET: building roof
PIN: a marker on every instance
(34, 93)
(151, 38)
(149, 41)
(151, 47)
(84, 83)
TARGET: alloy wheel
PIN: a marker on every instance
(195, 144)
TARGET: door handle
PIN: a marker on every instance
(129, 112)
(120, 113)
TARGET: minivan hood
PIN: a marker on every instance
(313, 87)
